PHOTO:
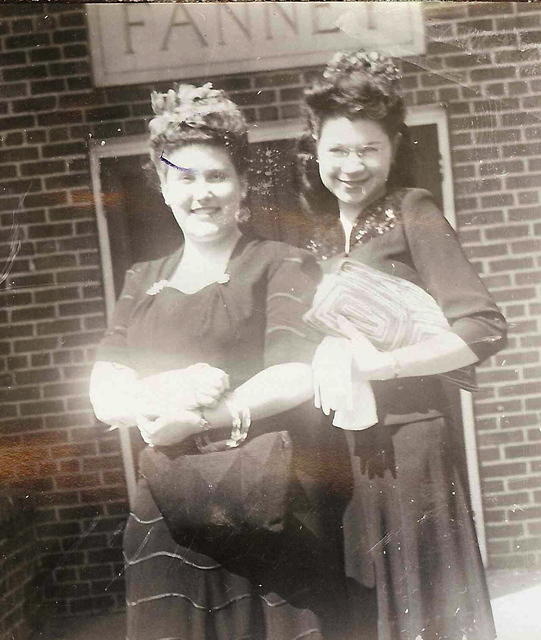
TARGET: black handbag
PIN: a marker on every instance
(217, 495)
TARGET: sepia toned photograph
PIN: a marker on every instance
(270, 309)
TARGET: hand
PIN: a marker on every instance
(180, 389)
(209, 383)
(370, 364)
(168, 429)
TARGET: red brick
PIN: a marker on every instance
(517, 501)
(58, 529)
(58, 327)
(521, 150)
(42, 407)
(520, 420)
(492, 516)
(87, 604)
(504, 470)
(58, 498)
(526, 388)
(489, 454)
(36, 376)
(103, 495)
(80, 513)
(73, 450)
(511, 264)
(486, 250)
(523, 451)
(95, 572)
(76, 481)
(516, 294)
(493, 41)
(525, 483)
(526, 513)
(69, 466)
(507, 232)
(504, 530)
(63, 389)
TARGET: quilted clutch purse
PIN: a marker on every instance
(390, 311)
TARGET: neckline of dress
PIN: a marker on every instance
(328, 238)
(224, 279)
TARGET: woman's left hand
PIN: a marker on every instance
(169, 429)
(370, 364)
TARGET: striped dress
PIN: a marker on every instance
(288, 588)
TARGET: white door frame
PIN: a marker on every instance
(280, 130)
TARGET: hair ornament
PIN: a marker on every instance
(385, 74)
(196, 107)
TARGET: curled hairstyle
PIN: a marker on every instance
(196, 115)
(353, 85)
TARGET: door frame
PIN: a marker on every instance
(280, 130)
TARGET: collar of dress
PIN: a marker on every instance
(382, 215)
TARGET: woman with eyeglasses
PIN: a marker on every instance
(410, 541)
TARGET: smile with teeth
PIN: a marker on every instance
(353, 183)
(202, 211)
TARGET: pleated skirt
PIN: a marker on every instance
(410, 536)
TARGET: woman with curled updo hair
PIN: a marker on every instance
(411, 549)
(207, 356)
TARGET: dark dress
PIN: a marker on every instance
(287, 588)
(411, 546)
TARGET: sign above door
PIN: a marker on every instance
(144, 42)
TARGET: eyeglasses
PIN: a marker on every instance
(342, 153)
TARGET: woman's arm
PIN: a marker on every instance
(113, 393)
(477, 328)
(450, 278)
(119, 397)
(439, 354)
(113, 379)
(271, 391)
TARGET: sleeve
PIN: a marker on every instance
(113, 346)
(450, 278)
(293, 279)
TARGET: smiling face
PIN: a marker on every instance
(355, 158)
(204, 191)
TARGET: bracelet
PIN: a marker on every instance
(240, 423)
(204, 424)
(201, 439)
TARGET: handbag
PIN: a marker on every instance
(390, 311)
(222, 494)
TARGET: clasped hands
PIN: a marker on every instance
(168, 402)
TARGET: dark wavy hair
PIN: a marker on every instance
(353, 93)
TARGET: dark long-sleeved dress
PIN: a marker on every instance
(292, 586)
(409, 530)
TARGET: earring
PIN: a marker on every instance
(243, 215)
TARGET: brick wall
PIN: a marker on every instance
(485, 64)
(19, 591)
(482, 61)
